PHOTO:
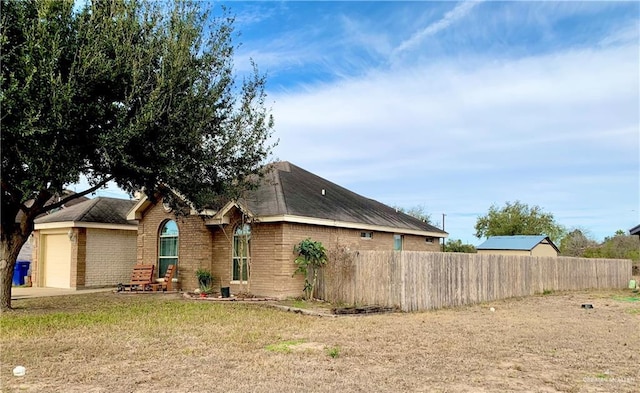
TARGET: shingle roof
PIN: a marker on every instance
(52, 200)
(100, 210)
(517, 242)
(291, 190)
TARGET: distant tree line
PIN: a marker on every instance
(517, 218)
(618, 246)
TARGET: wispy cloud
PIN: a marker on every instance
(533, 129)
(456, 106)
(459, 12)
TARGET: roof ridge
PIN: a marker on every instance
(281, 200)
(92, 203)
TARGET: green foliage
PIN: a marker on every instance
(310, 255)
(140, 93)
(455, 245)
(620, 246)
(203, 274)
(575, 243)
(518, 219)
(205, 279)
(333, 352)
(284, 346)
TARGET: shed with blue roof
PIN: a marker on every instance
(537, 246)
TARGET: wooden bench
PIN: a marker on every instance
(167, 283)
(141, 278)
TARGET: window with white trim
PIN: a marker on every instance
(167, 247)
(366, 235)
(397, 242)
(241, 244)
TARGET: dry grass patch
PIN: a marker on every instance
(148, 343)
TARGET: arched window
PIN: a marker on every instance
(167, 247)
(241, 243)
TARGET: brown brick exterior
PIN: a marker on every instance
(34, 268)
(272, 256)
(99, 257)
(78, 257)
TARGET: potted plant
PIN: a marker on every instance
(205, 290)
(204, 277)
(204, 281)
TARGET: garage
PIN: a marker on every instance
(56, 260)
(88, 245)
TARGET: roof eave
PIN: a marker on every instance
(349, 225)
(223, 216)
(137, 211)
(80, 224)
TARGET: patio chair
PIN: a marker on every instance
(141, 279)
(167, 282)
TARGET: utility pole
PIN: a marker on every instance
(443, 239)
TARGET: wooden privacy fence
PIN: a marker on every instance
(415, 280)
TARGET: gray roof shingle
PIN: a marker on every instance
(99, 210)
(291, 190)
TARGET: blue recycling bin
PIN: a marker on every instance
(19, 271)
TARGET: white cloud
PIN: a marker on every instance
(459, 12)
(460, 137)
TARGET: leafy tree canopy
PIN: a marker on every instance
(141, 93)
(518, 218)
(618, 246)
(575, 243)
(456, 245)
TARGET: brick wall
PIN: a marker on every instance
(271, 250)
(34, 267)
(332, 238)
(78, 257)
(110, 256)
(194, 243)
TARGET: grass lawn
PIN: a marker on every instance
(105, 342)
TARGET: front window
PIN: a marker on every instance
(397, 242)
(168, 247)
(241, 243)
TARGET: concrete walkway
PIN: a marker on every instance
(32, 292)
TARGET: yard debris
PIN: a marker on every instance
(19, 371)
(362, 310)
(587, 305)
(492, 309)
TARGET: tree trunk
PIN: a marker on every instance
(9, 249)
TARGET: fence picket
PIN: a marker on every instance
(415, 280)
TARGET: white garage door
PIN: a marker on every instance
(57, 260)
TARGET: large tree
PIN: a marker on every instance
(456, 245)
(575, 243)
(144, 94)
(518, 218)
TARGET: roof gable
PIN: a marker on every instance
(517, 242)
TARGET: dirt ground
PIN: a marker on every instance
(544, 343)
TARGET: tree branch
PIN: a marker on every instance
(77, 195)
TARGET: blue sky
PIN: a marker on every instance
(455, 106)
